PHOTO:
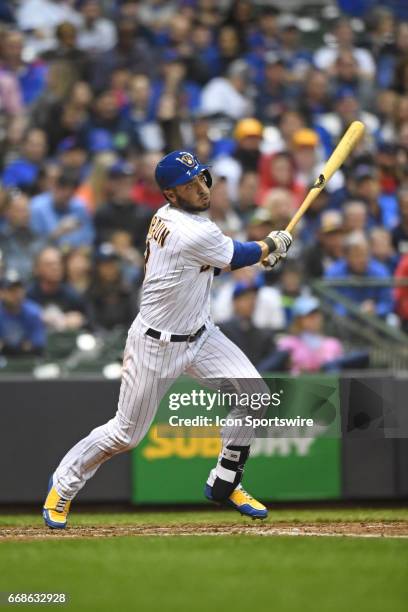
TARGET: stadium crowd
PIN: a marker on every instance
(92, 94)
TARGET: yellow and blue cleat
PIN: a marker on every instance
(56, 508)
(243, 502)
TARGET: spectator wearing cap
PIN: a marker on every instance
(382, 249)
(173, 82)
(257, 344)
(400, 231)
(382, 208)
(244, 157)
(346, 109)
(308, 347)
(63, 308)
(18, 243)
(305, 149)
(358, 263)
(120, 213)
(321, 255)
(72, 156)
(275, 92)
(96, 34)
(227, 95)
(22, 331)
(112, 303)
(263, 37)
(58, 216)
(297, 59)
(105, 117)
(22, 173)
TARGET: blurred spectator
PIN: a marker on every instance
(78, 268)
(400, 232)
(18, 243)
(145, 190)
(139, 118)
(355, 216)
(132, 51)
(67, 53)
(382, 249)
(23, 171)
(278, 170)
(315, 96)
(401, 293)
(291, 287)
(31, 75)
(343, 40)
(60, 217)
(308, 347)
(382, 208)
(257, 344)
(112, 303)
(22, 331)
(96, 33)
(221, 211)
(227, 95)
(297, 58)
(119, 212)
(329, 248)
(247, 189)
(268, 312)
(245, 155)
(280, 205)
(275, 91)
(371, 300)
(63, 308)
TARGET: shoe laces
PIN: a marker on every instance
(241, 488)
(61, 505)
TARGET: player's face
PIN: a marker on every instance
(193, 196)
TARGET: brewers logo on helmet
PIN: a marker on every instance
(178, 168)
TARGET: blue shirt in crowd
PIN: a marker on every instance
(25, 326)
(20, 173)
(382, 296)
(45, 218)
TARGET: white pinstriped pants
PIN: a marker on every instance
(147, 361)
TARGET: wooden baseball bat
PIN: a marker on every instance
(336, 159)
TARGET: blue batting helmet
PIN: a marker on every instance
(179, 167)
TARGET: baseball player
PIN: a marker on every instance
(174, 334)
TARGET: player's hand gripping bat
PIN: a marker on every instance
(336, 159)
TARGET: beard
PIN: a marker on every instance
(188, 207)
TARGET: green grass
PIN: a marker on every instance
(213, 516)
(232, 573)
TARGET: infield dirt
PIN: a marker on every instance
(391, 529)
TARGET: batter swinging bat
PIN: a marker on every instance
(336, 159)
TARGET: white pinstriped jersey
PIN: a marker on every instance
(182, 251)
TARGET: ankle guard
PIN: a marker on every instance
(228, 473)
